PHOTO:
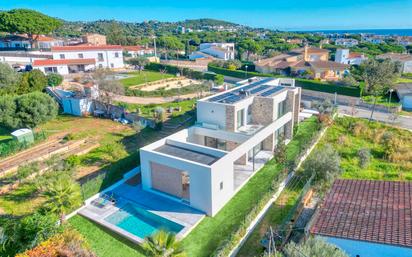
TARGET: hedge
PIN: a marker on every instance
(303, 83)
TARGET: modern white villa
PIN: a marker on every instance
(223, 51)
(235, 135)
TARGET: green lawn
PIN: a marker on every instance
(103, 242)
(144, 77)
(211, 232)
(349, 135)
(148, 109)
(383, 100)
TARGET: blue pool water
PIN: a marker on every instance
(140, 222)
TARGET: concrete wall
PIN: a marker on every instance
(211, 113)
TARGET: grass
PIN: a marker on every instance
(24, 200)
(209, 234)
(148, 109)
(4, 134)
(103, 242)
(404, 80)
(275, 216)
(142, 77)
(383, 100)
(363, 134)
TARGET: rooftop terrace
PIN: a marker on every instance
(187, 154)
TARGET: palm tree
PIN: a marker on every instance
(163, 244)
(62, 194)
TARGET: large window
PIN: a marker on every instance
(50, 69)
(249, 114)
(80, 56)
(240, 118)
(281, 108)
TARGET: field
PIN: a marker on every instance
(147, 110)
(390, 149)
(141, 77)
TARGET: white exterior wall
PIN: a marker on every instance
(109, 59)
(61, 69)
(19, 60)
(211, 113)
(407, 67)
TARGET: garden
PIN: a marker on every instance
(142, 77)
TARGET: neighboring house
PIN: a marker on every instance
(94, 39)
(307, 59)
(22, 57)
(223, 51)
(295, 41)
(235, 135)
(105, 56)
(65, 66)
(367, 218)
(346, 57)
(405, 41)
(404, 92)
(22, 41)
(137, 51)
(346, 42)
(373, 39)
(404, 59)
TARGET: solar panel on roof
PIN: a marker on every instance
(261, 88)
(231, 99)
(218, 98)
(271, 91)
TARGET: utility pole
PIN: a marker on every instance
(154, 44)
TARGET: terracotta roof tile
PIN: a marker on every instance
(375, 211)
(85, 48)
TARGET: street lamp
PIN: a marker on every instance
(390, 98)
(246, 70)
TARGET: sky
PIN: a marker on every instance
(273, 14)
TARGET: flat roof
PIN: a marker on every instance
(366, 210)
(257, 88)
(187, 154)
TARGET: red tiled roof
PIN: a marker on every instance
(375, 211)
(63, 62)
(355, 55)
(85, 48)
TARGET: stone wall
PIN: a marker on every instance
(268, 143)
(166, 179)
(263, 110)
(230, 118)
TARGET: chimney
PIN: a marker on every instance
(305, 53)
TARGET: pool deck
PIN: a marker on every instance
(151, 202)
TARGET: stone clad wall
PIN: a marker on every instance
(230, 118)
(263, 110)
(166, 179)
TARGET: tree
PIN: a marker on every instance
(219, 79)
(140, 62)
(8, 112)
(115, 34)
(313, 247)
(54, 79)
(33, 109)
(379, 77)
(32, 81)
(62, 194)
(9, 78)
(364, 155)
(250, 46)
(163, 244)
(28, 22)
(324, 163)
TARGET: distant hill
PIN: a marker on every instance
(136, 29)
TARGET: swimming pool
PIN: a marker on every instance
(140, 222)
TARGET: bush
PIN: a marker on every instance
(8, 78)
(313, 247)
(32, 81)
(364, 155)
(54, 79)
(324, 162)
(28, 110)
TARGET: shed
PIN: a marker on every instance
(23, 135)
(404, 92)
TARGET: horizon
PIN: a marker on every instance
(297, 15)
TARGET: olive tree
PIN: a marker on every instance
(9, 78)
(313, 247)
(324, 163)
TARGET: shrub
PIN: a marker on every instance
(313, 247)
(8, 78)
(54, 79)
(28, 110)
(364, 155)
(324, 162)
(32, 81)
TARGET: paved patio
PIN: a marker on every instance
(244, 172)
(151, 202)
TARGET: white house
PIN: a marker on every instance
(105, 56)
(346, 57)
(224, 51)
(405, 60)
(65, 66)
(137, 51)
(346, 42)
(22, 41)
(235, 135)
